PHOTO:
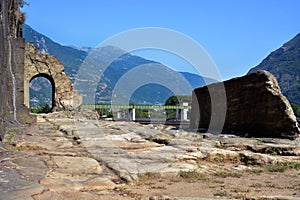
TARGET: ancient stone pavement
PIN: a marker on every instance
(76, 156)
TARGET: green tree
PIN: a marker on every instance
(172, 101)
(175, 101)
(141, 113)
(105, 112)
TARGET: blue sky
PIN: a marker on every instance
(237, 34)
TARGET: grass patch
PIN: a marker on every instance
(199, 162)
(266, 184)
(236, 159)
(256, 185)
(11, 134)
(218, 159)
(10, 138)
(23, 148)
(260, 141)
(198, 134)
(121, 188)
(274, 153)
(294, 165)
(239, 190)
(143, 178)
(159, 187)
(270, 185)
(218, 181)
(276, 168)
(228, 174)
(192, 175)
(283, 166)
(254, 171)
(294, 187)
(221, 194)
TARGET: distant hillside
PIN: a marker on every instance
(72, 58)
(284, 64)
(196, 80)
(148, 94)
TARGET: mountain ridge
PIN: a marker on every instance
(72, 57)
(284, 64)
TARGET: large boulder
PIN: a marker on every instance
(255, 106)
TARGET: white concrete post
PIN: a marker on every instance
(184, 112)
(118, 114)
(132, 114)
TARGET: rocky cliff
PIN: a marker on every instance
(284, 64)
(255, 106)
(12, 110)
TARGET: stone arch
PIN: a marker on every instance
(41, 64)
(49, 78)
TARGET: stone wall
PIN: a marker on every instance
(255, 106)
(44, 65)
(12, 109)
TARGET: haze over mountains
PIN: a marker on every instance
(284, 63)
(72, 57)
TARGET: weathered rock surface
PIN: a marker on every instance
(51, 165)
(255, 106)
(12, 110)
(67, 156)
(44, 65)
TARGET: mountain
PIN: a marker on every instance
(196, 80)
(284, 64)
(40, 92)
(72, 57)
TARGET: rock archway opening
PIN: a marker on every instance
(41, 93)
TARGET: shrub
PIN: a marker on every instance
(41, 109)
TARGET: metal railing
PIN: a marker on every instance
(119, 106)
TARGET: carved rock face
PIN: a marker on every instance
(255, 106)
(45, 65)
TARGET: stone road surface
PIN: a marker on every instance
(75, 156)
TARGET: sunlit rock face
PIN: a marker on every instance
(255, 107)
(12, 109)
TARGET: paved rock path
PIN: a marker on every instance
(51, 165)
(76, 156)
